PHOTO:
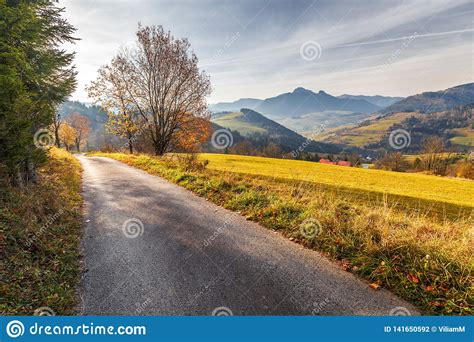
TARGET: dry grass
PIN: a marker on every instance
(426, 261)
(39, 235)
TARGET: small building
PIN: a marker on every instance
(344, 163)
(326, 161)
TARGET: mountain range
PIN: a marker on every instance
(381, 101)
(303, 101)
(307, 112)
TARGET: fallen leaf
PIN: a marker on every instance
(374, 286)
(435, 303)
(413, 278)
(346, 265)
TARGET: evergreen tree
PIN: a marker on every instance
(36, 75)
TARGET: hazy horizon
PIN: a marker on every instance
(264, 48)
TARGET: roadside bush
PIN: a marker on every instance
(190, 162)
(465, 169)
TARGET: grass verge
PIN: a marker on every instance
(427, 262)
(40, 229)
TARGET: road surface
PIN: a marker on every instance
(153, 248)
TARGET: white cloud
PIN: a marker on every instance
(264, 60)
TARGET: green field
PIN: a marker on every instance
(464, 137)
(426, 187)
(237, 122)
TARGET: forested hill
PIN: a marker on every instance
(96, 116)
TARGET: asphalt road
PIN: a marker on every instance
(153, 248)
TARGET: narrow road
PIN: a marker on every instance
(153, 248)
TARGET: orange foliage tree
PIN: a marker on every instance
(81, 125)
(192, 133)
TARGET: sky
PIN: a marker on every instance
(262, 48)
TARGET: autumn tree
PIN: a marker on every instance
(67, 135)
(392, 161)
(81, 125)
(272, 150)
(110, 91)
(193, 133)
(433, 160)
(165, 84)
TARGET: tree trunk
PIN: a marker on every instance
(27, 171)
(130, 142)
(30, 166)
(56, 137)
(160, 149)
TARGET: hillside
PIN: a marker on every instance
(455, 126)
(253, 125)
(430, 102)
(248, 122)
(369, 132)
(96, 116)
(381, 101)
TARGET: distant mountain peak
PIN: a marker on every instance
(301, 90)
(304, 101)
